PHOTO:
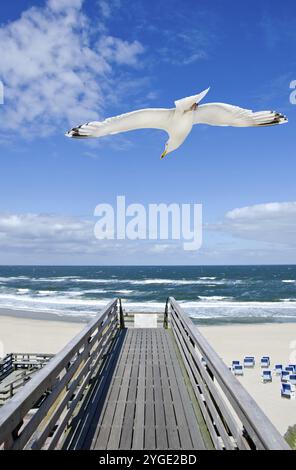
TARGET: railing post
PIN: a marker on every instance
(121, 317)
(166, 314)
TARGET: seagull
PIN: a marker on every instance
(178, 121)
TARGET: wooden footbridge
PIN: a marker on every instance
(119, 387)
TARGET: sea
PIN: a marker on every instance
(209, 294)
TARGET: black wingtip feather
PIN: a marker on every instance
(75, 133)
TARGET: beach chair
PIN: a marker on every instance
(238, 369)
(235, 363)
(265, 361)
(294, 367)
(249, 361)
(288, 390)
(278, 369)
(292, 379)
(266, 376)
(290, 369)
(285, 376)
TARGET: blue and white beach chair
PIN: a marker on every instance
(235, 363)
(288, 390)
(292, 379)
(290, 369)
(278, 369)
(265, 361)
(249, 361)
(285, 375)
(238, 369)
(294, 367)
(266, 376)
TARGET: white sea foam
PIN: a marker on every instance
(23, 291)
(175, 282)
(92, 291)
(208, 277)
(54, 279)
(125, 291)
(68, 296)
(14, 278)
(210, 298)
(47, 292)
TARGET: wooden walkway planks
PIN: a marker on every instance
(147, 404)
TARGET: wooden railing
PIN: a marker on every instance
(16, 369)
(233, 418)
(6, 366)
(37, 416)
(30, 360)
(12, 386)
(41, 412)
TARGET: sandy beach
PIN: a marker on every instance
(275, 340)
(30, 334)
(27, 334)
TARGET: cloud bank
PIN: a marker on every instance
(273, 222)
(259, 232)
(58, 68)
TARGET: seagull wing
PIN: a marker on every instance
(185, 103)
(221, 114)
(141, 119)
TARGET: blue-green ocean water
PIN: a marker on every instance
(212, 294)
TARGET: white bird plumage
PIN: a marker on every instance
(178, 121)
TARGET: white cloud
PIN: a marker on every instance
(105, 8)
(119, 51)
(273, 222)
(57, 69)
(57, 235)
(263, 233)
(185, 47)
(44, 232)
(60, 5)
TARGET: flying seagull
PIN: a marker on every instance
(178, 121)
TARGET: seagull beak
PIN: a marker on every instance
(163, 154)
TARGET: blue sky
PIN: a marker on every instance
(65, 62)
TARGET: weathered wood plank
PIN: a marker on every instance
(184, 434)
(116, 429)
(204, 408)
(102, 425)
(149, 438)
(129, 415)
(82, 426)
(193, 427)
(101, 437)
(160, 425)
(170, 417)
(138, 435)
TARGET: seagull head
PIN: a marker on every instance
(170, 146)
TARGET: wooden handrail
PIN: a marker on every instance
(256, 429)
(79, 356)
(121, 317)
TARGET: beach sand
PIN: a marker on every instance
(23, 332)
(31, 335)
(275, 340)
